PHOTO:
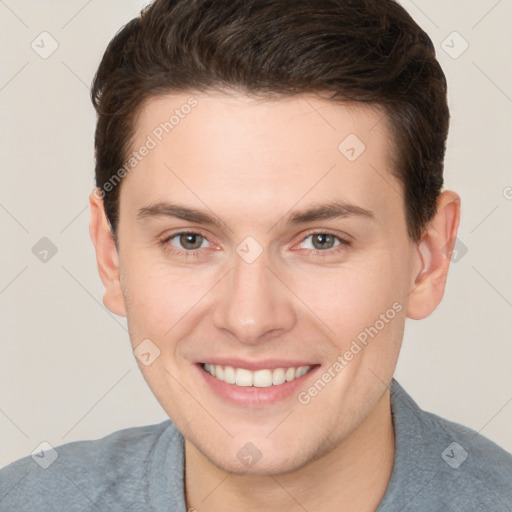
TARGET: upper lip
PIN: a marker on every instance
(267, 364)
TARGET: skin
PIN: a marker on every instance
(252, 163)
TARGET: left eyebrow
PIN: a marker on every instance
(179, 212)
(328, 211)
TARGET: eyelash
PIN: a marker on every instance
(343, 244)
(194, 253)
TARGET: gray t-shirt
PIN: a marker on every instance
(439, 466)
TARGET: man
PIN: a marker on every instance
(268, 212)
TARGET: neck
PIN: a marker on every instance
(353, 477)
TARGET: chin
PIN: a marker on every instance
(262, 457)
(263, 467)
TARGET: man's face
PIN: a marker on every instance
(262, 288)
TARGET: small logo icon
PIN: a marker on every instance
(44, 250)
(352, 147)
(455, 45)
(44, 45)
(249, 250)
(460, 249)
(454, 455)
(249, 455)
(146, 352)
(45, 455)
(507, 193)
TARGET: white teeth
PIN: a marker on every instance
(243, 377)
(278, 376)
(301, 371)
(229, 375)
(260, 378)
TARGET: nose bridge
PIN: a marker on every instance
(253, 301)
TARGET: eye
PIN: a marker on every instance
(323, 244)
(187, 241)
(322, 241)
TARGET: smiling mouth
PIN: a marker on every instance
(260, 378)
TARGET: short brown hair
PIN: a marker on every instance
(367, 51)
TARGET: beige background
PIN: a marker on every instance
(67, 371)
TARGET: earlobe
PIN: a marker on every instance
(107, 256)
(433, 256)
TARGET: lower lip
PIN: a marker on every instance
(252, 396)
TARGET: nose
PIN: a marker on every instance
(254, 304)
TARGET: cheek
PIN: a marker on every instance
(146, 302)
(157, 298)
(349, 298)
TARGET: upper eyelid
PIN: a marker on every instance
(325, 232)
(168, 238)
(184, 232)
(344, 240)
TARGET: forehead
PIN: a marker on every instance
(235, 149)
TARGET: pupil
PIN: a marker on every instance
(319, 241)
(189, 239)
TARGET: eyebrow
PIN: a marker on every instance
(325, 211)
(178, 212)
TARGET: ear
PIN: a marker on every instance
(106, 255)
(434, 252)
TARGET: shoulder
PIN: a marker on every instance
(481, 470)
(81, 475)
(443, 465)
